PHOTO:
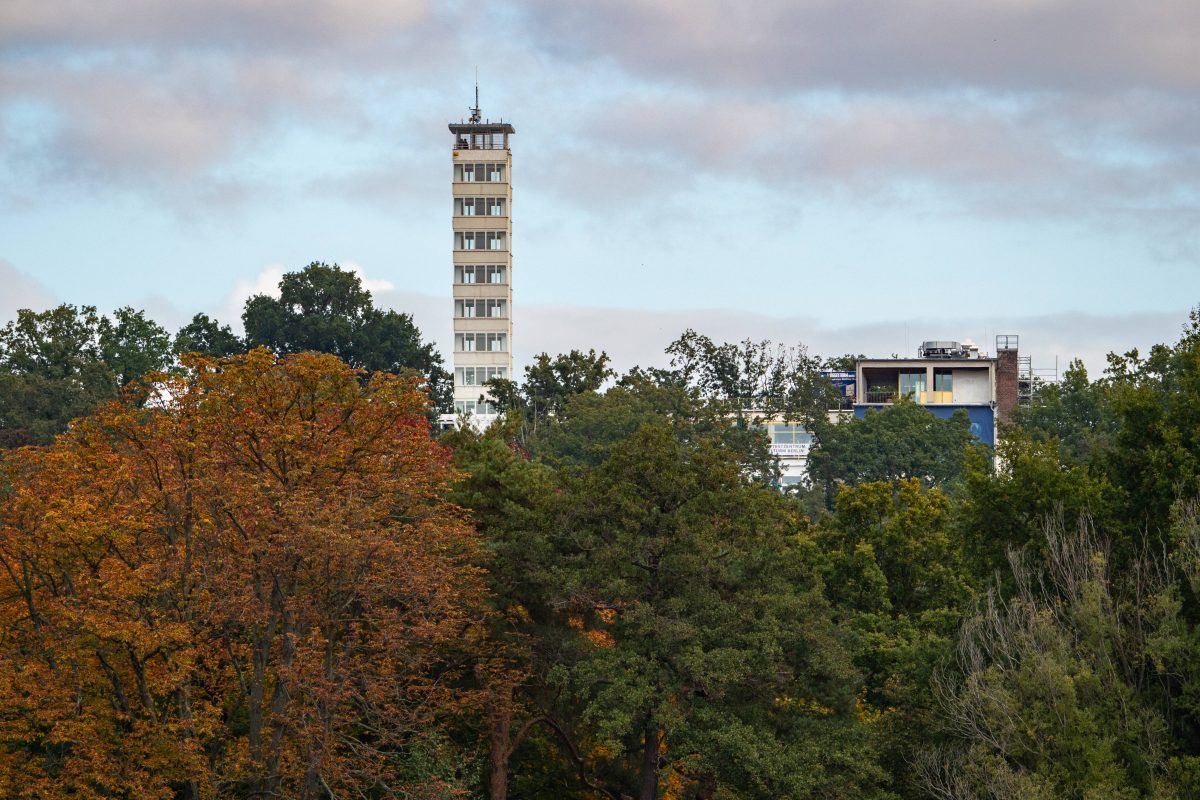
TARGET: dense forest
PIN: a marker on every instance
(252, 567)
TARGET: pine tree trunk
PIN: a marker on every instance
(649, 788)
(498, 755)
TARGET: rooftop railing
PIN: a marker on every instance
(463, 144)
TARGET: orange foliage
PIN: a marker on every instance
(255, 589)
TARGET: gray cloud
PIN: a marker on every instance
(786, 46)
(633, 337)
(174, 99)
(20, 290)
(280, 24)
(1069, 109)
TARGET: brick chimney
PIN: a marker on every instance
(1007, 372)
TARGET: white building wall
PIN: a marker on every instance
(972, 386)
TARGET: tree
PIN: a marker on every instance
(1004, 504)
(549, 383)
(758, 380)
(132, 345)
(326, 309)
(208, 337)
(512, 500)
(706, 655)
(1156, 455)
(254, 589)
(1054, 691)
(900, 442)
(57, 365)
(895, 573)
(1075, 412)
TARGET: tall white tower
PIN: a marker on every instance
(482, 229)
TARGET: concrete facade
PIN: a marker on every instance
(482, 280)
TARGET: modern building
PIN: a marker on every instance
(946, 376)
(482, 260)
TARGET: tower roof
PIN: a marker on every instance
(482, 127)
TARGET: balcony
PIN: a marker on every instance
(463, 144)
(881, 395)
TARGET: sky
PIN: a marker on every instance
(849, 175)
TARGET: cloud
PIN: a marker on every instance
(204, 23)
(265, 282)
(639, 338)
(197, 103)
(21, 290)
(789, 46)
(373, 285)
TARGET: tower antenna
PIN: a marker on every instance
(475, 116)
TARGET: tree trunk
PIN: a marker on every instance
(501, 719)
(649, 787)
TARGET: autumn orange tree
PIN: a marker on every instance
(250, 587)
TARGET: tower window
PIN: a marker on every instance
(480, 273)
(480, 307)
(480, 240)
(479, 206)
(472, 173)
(481, 342)
(477, 376)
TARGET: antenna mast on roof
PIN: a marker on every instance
(475, 116)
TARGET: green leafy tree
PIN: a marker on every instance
(1006, 507)
(326, 309)
(132, 345)
(900, 442)
(1052, 695)
(705, 654)
(59, 364)
(756, 380)
(894, 571)
(1074, 412)
(208, 337)
(1156, 402)
(549, 384)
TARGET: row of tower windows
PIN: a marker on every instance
(474, 407)
(473, 173)
(480, 240)
(476, 376)
(481, 342)
(480, 273)
(479, 206)
(481, 307)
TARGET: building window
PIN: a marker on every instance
(943, 386)
(479, 273)
(477, 376)
(475, 173)
(481, 342)
(480, 240)
(479, 206)
(912, 385)
(789, 433)
(480, 307)
(473, 407)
